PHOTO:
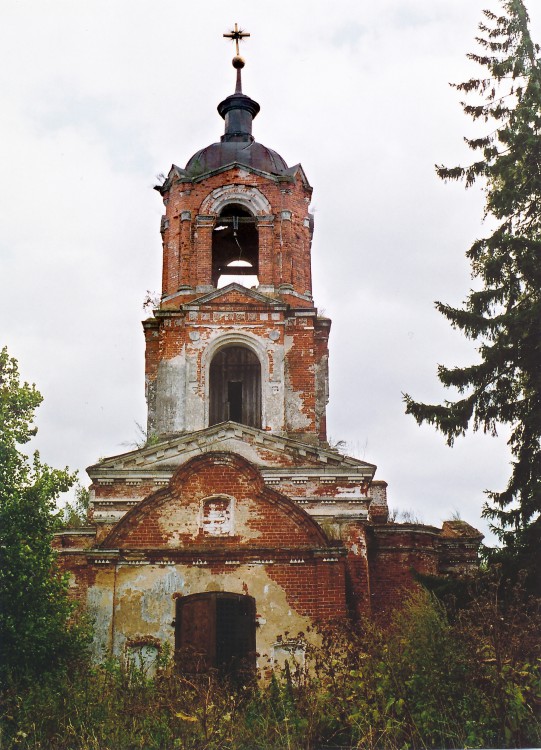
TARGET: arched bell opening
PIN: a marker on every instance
(235, 247)
(235, 387)
(239, 271)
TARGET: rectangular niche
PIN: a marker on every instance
(217, 516)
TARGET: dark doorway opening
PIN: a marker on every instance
(235, 387)
(234, 398)
(216, 631)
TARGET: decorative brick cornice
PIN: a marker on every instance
(207, 556)
(152, 461)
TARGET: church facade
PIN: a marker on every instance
(237, 527)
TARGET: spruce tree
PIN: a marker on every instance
(503, 312)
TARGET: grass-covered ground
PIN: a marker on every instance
(431, 679)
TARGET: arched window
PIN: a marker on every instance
(235, 387)
(235, 247)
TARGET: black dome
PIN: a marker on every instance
(247, 152)
(237, 144)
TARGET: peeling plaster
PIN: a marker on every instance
(296, 419)
(170, 395)
(145, 603)
(100, 608)
(177, 521)
(355, 491)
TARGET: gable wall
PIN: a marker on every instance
(172, 519)
(161, 550)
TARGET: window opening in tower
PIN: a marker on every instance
(235, 247)
(235, 387)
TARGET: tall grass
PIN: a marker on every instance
(426, 680)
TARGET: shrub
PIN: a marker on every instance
(424, 681)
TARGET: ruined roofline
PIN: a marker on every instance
(179, 175)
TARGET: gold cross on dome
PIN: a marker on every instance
(237, 35)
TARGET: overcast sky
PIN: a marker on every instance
(99, 97)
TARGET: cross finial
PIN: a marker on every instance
(237, 35)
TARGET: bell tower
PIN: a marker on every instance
(253, 352)
(236, 520)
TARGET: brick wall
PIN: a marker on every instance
(285, 238)
(262, 517)
(294, 338)
(395, 552)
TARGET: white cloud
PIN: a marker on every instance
(99, 97)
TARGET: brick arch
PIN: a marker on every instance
(215, 473)
(236, 338)
(198, 463)
(245, 195)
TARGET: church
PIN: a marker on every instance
(237, 527)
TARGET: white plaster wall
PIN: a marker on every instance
(100, 610)
(171, 395)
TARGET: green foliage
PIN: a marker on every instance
(422, 681)
(36, 632)
(503, 636)
(144, 439)
(76, 511)
(503, 314)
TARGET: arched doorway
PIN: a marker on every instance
(235, 246)
(235, 387)
(215, 630)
